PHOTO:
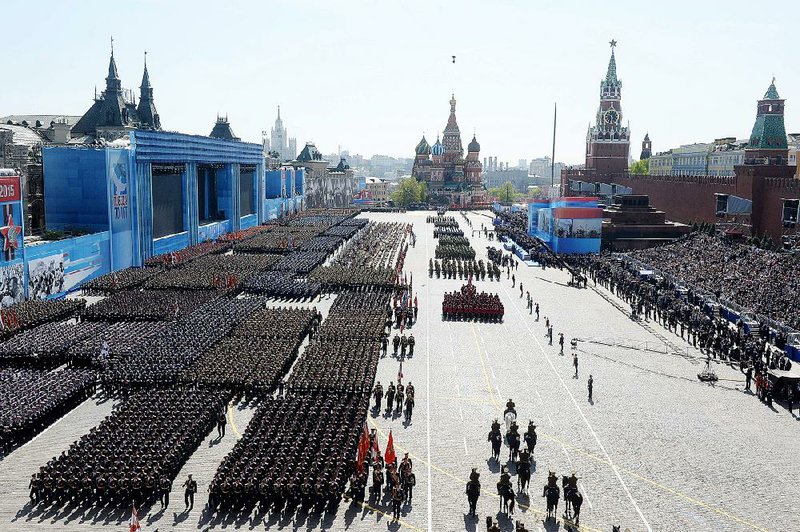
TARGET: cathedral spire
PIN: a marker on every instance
(145, 86)
(147, 108)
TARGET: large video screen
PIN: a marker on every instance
(246, 190)
(167, 204)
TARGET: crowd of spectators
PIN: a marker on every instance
(760, 281)
(754, 347)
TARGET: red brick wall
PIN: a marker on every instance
(691, 199)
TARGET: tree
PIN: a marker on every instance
(506, 192)
(409, 191)
(640, 167)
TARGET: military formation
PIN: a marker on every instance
(463, 269)
(124, 460)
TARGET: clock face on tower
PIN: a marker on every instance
(611, 117)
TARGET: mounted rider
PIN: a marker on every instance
(572, 481)
(505, 478)
(530, 436)
(495, 426)
(510, 407)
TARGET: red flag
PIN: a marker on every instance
(135, 526)
(390, 457)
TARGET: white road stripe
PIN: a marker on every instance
(499, 395)
(566, 453)
(493, 375)
(428, 385)
(460, 412)
(583, 416)
(585, 494)
(538, 394)
(466, 452)
(550, 420)
(458, 390)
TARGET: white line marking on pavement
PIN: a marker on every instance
(538, 395)
(585, 494)
(583, 416)
(428, 384)
(566, 453)
(528, 373)
(460, 412)
(499, 395)
(493, 376)
(458, 390)
(466, 452)
(550, 420)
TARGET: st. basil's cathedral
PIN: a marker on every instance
(451, 179)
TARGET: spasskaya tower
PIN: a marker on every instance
(608, 141)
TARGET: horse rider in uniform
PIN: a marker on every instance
(505, 478)
(572, 482)
(510, 407)
(531, 437)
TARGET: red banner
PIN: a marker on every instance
(10, 189)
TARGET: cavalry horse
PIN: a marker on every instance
(552, 492)
(531, 437)
(497, 440)
(510, 417)
(572, 498)
(523, 471)
(506, 493)
(513, 441)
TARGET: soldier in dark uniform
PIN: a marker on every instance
(473, 491)
(378, 394)
(390, 397)
(411, 343)
(408, 481)
(190, 486)
(399, 395)
(397, 500)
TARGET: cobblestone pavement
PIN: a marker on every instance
(655, 450)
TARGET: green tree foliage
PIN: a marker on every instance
(505, 192)
(409, 191)
(640, 167)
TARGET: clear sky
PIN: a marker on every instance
(371, 76)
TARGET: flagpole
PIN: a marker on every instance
(553, 159)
